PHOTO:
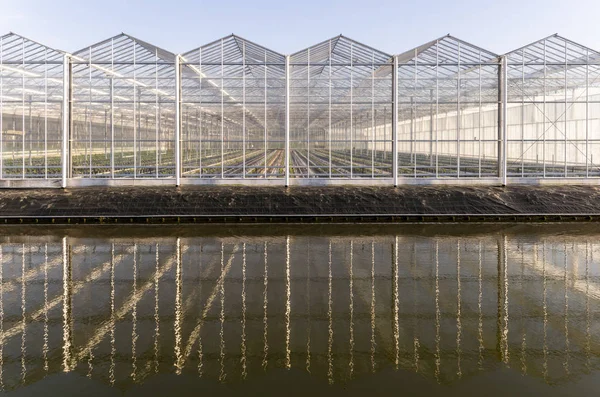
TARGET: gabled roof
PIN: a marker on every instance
(447, 49)
(125, 48)
(128, 57)
(342, 50)
(232, 49)
(553, 49)
(233, 56)
(548, 60)
(447, 58)
(42, 67)
(16, 48)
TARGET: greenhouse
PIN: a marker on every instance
(125, 112)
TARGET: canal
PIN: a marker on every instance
(429, 309)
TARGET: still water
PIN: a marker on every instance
(295, 310)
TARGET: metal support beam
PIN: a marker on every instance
(330, 87)
(2, 111)
(112, 110)
(23, 129)
(431, 127)
(135, 130)
(458, 114)
(244, 111)
(566, 113)
(287, 120)
(503, 130)
(587, 115)
(112, 128)
(66, 120)
(395, 121)
(177, 120)
(70, 121)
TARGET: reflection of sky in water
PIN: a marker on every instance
(120, 310)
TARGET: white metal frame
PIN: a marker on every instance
(327, 135)
(177, 120)
(65, 119)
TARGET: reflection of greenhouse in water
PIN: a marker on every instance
(232, 111)
(122, 309)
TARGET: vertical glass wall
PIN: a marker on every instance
(233, 108)
(233, 111)
(123, 110)
(448, 102)
(340, 111)
(31, 98)
(553, 110)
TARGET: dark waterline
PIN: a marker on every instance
(297, 309)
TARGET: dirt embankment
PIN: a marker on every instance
(335, 201)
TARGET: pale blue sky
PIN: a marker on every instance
(288, 26)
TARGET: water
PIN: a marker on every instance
(337, 310)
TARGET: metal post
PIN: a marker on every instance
(587, 120)
(177, 121)
(413, 155)
(499, 139)
(65, 121)
(105, 132)
(458, 125)
(163, 145)
(112, 128)
(112, 111)
(201, 113)
(30, 136)
(479, 114)
(431, 127)
(504, 129)
(308, 114)
(158, 156)
(437, 108)
(504, 120)
(351, 108)
(395, 121)
(287, 120)
(330, 84)
(135, 130)
(566, 113)
(88, 125)
(142, 133)
(244, 109)
(1, 111)
(265, 111)
(222, 112)
(24, 132)
(544, 117)
(70, 121)
(523, 114)
(412, 131)
(373, 114)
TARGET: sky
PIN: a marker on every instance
(392, 26)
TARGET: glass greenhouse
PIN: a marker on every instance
(124, 112)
